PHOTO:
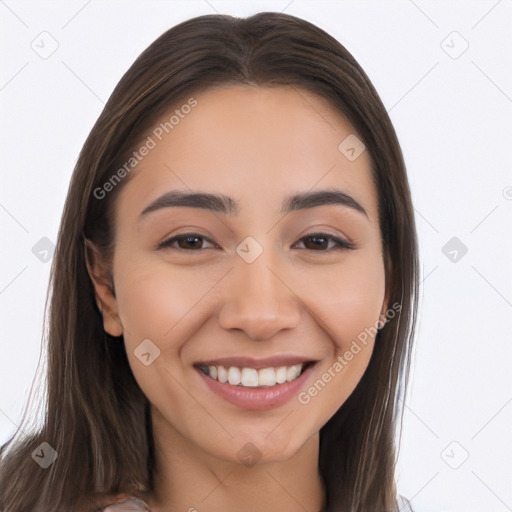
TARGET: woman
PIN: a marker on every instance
(234, 287)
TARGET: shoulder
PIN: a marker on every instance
(125, 505)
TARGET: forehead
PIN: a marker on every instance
(256, 144)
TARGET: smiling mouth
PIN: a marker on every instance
(252, 377)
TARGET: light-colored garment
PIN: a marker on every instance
(137, 505)
(127, 505)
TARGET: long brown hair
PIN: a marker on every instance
(96, 417)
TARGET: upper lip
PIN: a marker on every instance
(258, 364)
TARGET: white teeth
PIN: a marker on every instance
(234, 375)
(222, 374)
(250, 377)
(292, 373)
(267, 377)
(281, 375)
(213, 371)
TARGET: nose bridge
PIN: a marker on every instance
(257, 300)
(258, 282)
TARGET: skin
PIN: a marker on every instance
(257, 145)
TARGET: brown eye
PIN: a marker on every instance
(320, 242)
(186, 242)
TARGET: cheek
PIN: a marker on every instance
(347, 308)
(166, 305)
(153, 300)
(346, 299)
(163, 305)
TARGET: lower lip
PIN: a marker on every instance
(258, 398)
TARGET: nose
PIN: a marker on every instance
(258, 300)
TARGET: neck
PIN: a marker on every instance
(189, 479)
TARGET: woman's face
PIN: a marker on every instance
(258, 286)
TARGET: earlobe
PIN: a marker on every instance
(104, 289)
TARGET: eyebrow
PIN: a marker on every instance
(223, 204)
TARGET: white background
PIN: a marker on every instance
(453, 119)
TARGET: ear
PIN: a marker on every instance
(104, 289)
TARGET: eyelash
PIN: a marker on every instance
(340, 242)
